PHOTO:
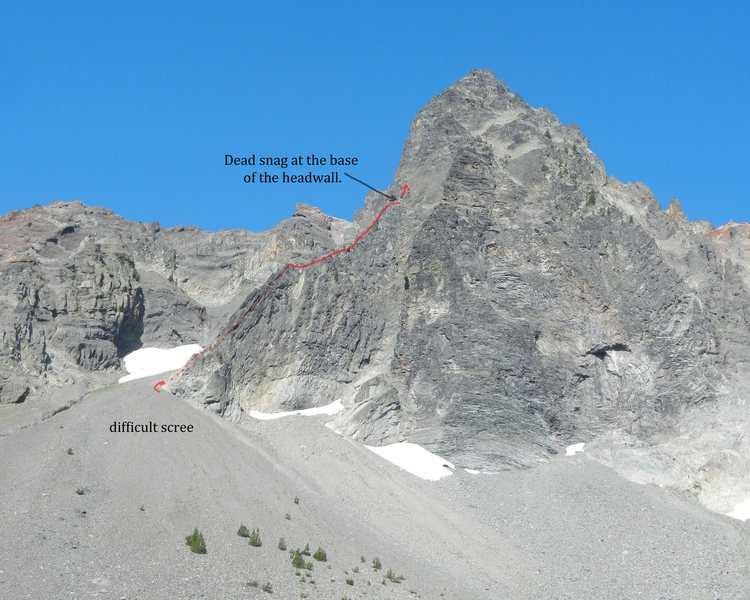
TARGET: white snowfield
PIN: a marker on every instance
(328, 409)
(574, 449)
(415, 459)
(410, 457)
(152, 361)
(741, 511)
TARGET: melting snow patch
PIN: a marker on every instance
(415, 459)
(328, 409)
(152, 361)
(741, 511)
(472, 471)
(574, 449)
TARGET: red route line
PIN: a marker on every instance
(273, 283)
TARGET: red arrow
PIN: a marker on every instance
(404, 189)
(157, 385)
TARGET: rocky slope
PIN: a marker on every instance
(86, 527)
(518, 300)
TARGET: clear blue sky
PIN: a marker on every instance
(132, 105)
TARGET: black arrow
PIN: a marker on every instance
(372, 188)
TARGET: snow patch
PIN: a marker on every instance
(329, 409)
(741, 511)
(574, 449)
(152, 361)
(415, 459)
(472, 471)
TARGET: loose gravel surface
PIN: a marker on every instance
(110, 519)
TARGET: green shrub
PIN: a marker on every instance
(355, 570)
(349, 581)
(243, 531)
(196, 542)
(288, 517)
(267, 587)
(69, 451)
(296, 500)
(320, 555)
(306, 550)
(376, 564)
(362, 559)
(297, 561)
(80, 491)
(252, 583)
(255, 538)
(282, 544)
(393, 577)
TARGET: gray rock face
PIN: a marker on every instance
(81, 287)
(518, 300)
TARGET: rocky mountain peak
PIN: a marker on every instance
(478, 122)
(517, 300)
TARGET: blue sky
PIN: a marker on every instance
(133, 105)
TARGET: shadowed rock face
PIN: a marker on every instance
(517, 300)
